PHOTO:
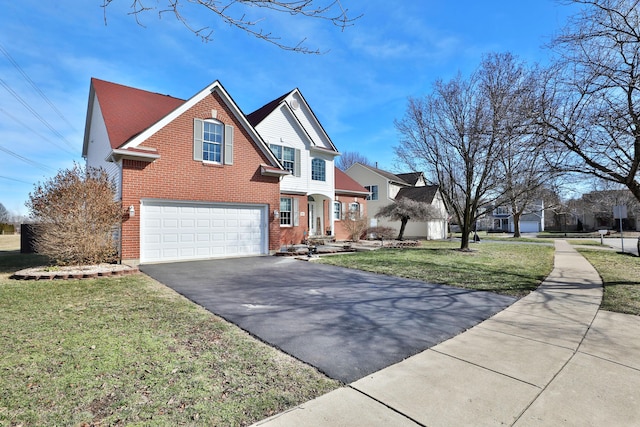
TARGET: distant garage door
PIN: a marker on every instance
(179, 231)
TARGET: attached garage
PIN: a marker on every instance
(180, 231)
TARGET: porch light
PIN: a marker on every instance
(132, 211)
(276, 214)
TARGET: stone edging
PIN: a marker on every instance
(84, 272)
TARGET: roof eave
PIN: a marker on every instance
(120, 154)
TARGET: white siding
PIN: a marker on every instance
(99, 148)
(281, 128)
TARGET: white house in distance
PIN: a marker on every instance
(385, 187)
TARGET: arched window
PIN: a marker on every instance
(318, 170)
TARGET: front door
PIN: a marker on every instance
(312, 222)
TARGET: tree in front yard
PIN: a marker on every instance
(405, 209)
(76, 213)
(355, 224)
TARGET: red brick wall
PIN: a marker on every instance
(294, 235)
(176, 176)
(340, 231)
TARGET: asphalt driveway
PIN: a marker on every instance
(346, 323)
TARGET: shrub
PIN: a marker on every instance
(77, 214)
(381, 233)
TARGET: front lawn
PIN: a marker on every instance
(621, 276)
(122, 351)
(506, 268)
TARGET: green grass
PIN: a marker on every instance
(129, 351)
(621, 276)
(510, 269)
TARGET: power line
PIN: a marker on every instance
(34, 85)
(29, 161)
(26, 126)
(34, 112)
(16, 180)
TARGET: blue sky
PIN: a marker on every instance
(357, 88)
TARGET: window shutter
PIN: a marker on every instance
(228, 144)
(361, 210)
(296, 164)
(296, 212)
(197, 139)
(343, 210)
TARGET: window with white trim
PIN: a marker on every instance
(318, 170)
(373, 189)
(337, 210)
(354, 210)
(212, 142)
(286, 208)
(288, 156)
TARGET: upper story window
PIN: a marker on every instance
(288, 156)
(212, 142)
(502, 210)
(373, 189)
(318, 170)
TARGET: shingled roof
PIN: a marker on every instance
(128, 111)
(345, 184)
(390, 176)
(261, 113)
(419, 194)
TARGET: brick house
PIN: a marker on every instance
(350, 197)
(198, 180)
(194, 177)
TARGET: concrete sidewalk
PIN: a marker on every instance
(549, 359)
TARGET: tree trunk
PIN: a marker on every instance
(516, 225)
(403, 224)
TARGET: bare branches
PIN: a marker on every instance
(237, 14)
(76, 215)
(594, 107)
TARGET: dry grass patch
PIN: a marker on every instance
(121, 351)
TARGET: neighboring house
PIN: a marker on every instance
(194, 177)
(532, 221)
(199, 179)
(385, 187)
(350, 198)
(295, 136)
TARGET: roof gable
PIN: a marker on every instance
(294, 101)
(129, 111)
(387, 175)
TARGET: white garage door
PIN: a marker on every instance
(529, 227)
(178, 231)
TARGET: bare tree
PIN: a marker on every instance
(590, 111)
(512, 91)
(404, 209)
(355, 224)
(238, 14)
(454, 134)
(4, 213)
(76, 214)
(349, 158)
